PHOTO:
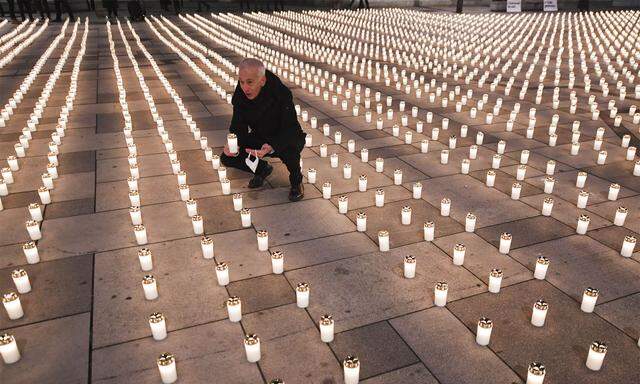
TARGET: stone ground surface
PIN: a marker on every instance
(86, 318)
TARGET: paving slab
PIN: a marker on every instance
(416, 373)
(525, 232)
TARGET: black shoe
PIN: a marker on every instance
(297, 192)
(258, 179)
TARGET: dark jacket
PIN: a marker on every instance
(271, 117)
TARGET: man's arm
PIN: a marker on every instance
(289, 125)
(239, 128)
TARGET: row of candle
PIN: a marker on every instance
(30, 38)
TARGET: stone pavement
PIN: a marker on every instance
(86, 319)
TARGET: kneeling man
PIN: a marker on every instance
(265, 123)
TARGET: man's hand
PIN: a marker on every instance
(228, 152)
(260, 153)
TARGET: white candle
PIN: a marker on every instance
(583, 197)
(597, 351)
(631, 153)
(21, 280)
(483, 331)
(31, 252)
(237, 202)
(234, 309)
(575, 148)
(515, 191)
(226, 186)
(134, 198)
(444, 156)
(7, 176)
(302, 295)
(215, 161)
(465, 166)
(198, 224)
(424, 146)
(141, 234)
(158, 326)
(192, 207)
(505, 243)
(583, 224)
(445, 207)
(252, 348)
(542, 265)
(551, 167)
(621, 215)
(628, 246)
(440, 294)
(429, 230)
(409, 266)
(458, 254)
(351, 368)
(9, 349)
(495, 280)
(495, 163)
(326, 190)
(33, 227)
(326, 328)
(150, 287)
(549, 182)
(383, 240)
(263, 240)
(521, 172)
(222, 273)
(636, 168)
(351, 145)
(146, 259)
(343, 204)
(311, 175)
(334, 160)
(222, 173)
(589, 298)
(379, 165)
(406, 215)
(364, 155)
(397, 177)
(12, 305)
(491, 178)
(602, 157)
(167, 367)
(539, 314)
(361, 222)
(136, 215)
(535, 373)
(379, 198)
(346, 171)
(35, 212)
(417, 190)
(473, 152)
(132, 183)
(277, 262)
(206, 244)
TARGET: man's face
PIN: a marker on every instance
(251, 82)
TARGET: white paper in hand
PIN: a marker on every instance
(252, 164)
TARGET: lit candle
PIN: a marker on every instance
(215, 161)
(362, 183)
(31, 252)
(575, 148)
(150, 287)
(252, 347)
(346, 171)
(515, 191)
(234, 309)
(424, 146)
(33, 227)
(465, 166)
(311, 175)
(379, 165)
(589, 298)
(409, 266)
(495, 280)
(351, 367)
(440, 293)
(198, 224)
(551, 167)
(351, 145)
(406, 215)
(326, 328)
(361, 222)
(445, 207)
(539, 314)
(237, 202)
(429, 230)
(397, 177)
(597, 351)
(158, 326)
(470, 222)
(343, 204)
(9, 349)
(379, 198)
(458, 254)
(583, 224)
(136, 215)
(505, 243)
(417, 190)
(167, 367)
(542, 264)
(383, 240)
(621, 215)
(483, 331)
(326, 190)
(192, 207)
(491, 178)
(222, 273)
(444, 156)
(7, 176)
(226, 186)
(206, 243)
(145, 258)
(535, 373)
(364, 155)
(334, 160)
(549, 183)
(521, 172)
(495, 163)
(628, 246)
(583, 197)
(302, 295)
(21, 280)
(636, 168)
(263, 240)
(35, 212)
(277, 262)
(473, 152)
(132, 183)
(134, 198)
(12, 305)
(581, 179)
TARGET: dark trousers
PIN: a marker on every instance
(59, 4)
(24, 6)
(42, 7)
(290, 158)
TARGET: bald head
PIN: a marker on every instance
(251, 76)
